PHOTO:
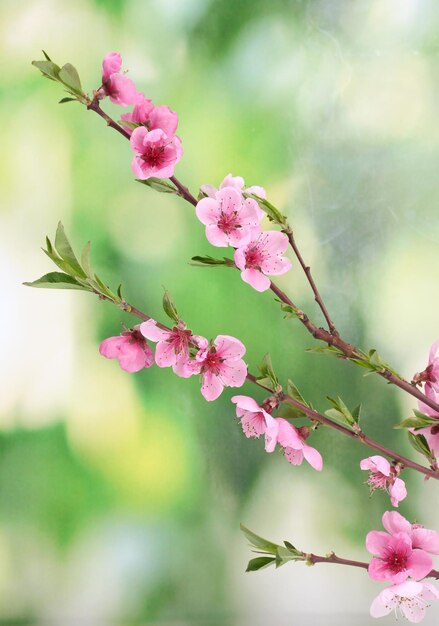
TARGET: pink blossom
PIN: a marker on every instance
(253, 417)
(172, 348)
(221, 365)
(279, 430)
(263, 256)
(421, 537)
(384, 476)
(120, 89)
(155, 153)
(430, 376)
(131, 350)
(233, 181)
(146, 114)
(229, 218)
(397, 555)
(410, 597)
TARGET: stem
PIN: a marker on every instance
(307, 271)
(314, 415)
(331, 338)
(359, 436)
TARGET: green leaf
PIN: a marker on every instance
(419, 421)
(119, 292)
(259, 563)
(48, 68)
(420, 444)
(57, 280)
(289, 310)
(64, 100)
(202, 261)
(267, 370)
(259, 542)
(132, 125)
(284, 555)
(295, 393)
(331, 350)
(65, 251)
(70, 77)
(46, 55)
(104, 289)
(273, 214)
(158, 184)
(85, 260)
(169, 307)
(340, 411)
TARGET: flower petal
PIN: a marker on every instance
(256, 279)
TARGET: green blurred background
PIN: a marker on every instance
(121, 495)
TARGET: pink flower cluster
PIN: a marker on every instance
(401, 553)
(384, 476)
(430, 376)
(256, 421)
(152, 128)
(219, 362)
(232, 219)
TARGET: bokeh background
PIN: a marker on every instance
(121, 495)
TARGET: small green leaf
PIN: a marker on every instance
(267, 370)
(284, 555)
(259, 563)
(419, 421)
(295, 393)
(258, 542)
(57, 280)
(169, 307)
(158, 184)
(48, 68)
(46, 55)
(119, 292)
(64, 100)
(85, 260)
(330, 350)
(273, 214)
(68, 74)
(420, 444)
(289, 310)
(65, 251)
(340, 411)
(202, 261)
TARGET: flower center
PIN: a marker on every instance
(396, 561)
(153, 155)
(228, 222)
(212, 362)
(253, 256)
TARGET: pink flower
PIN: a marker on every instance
(221, 366)
(146, 114)
(253, 417)
(384, 476)
(120, 89)
(397, 554)
(421, 537)
(263, 256)
(409, 597)
(229, 218)
(233, 181)
(279, 430)
(155, 153)
(131, 350)
(172, 346)
(430, 376)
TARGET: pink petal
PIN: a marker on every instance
(433, 350)
(212, 386)
(208, 211)
(140, 169)
(255, 278)
(151, 331)
(137, 139)
(209, 190)
(165, 354)
(276, 266)
(123, 90)
(378, 570)
(240, 236)
(397, 491)
(271, 433)
(162, 117)
(216, 236)
(246, 403)
(111, 65)
(313, 457)
(233, 373)
(377, 541)
(295, 457)
(237, 182)
(376, 464)
(275, 242)
(257, 191)
(239, 258)
(394, 523)
(110, 348)
(132, 357)
(426, 539)
(420, 564)
(288, 435)
(381, 605)
(228, 347)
